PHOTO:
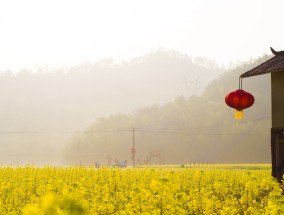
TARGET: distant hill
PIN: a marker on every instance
(188, 129)
(49, 104)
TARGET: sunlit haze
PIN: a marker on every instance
(141, 107)
(66, 33)
(81, 82)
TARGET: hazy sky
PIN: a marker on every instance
(68, 32)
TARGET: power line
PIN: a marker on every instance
(198, 133)
(148, 131)
(106, 131)
(64, 132)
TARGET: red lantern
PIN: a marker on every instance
(239, 100)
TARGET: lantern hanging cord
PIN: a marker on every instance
(240, 83)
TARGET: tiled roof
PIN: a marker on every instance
(274, 64)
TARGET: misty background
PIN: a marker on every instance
(77, 77)
(85, 114)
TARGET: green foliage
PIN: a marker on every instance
(189, 129)
(53, 103)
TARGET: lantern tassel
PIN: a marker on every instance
(239, 114)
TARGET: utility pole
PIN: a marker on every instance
(133, 150)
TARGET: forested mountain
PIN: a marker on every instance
(188, 129)
(40, 109)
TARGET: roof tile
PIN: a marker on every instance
(274, 64)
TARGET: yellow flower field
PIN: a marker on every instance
(171, 190)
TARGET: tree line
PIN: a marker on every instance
(188, 129)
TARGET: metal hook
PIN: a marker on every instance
(240, 83)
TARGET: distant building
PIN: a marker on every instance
(275, 66)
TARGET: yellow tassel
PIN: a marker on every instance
(238, 114)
